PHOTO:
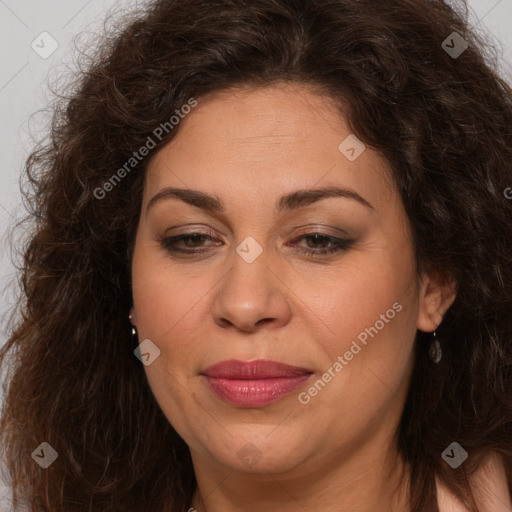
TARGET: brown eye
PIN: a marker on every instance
(337, 244)
(192, 241)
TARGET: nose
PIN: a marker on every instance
(251, 295)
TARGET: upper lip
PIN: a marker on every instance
(258, 369)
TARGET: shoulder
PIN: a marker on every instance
(492, 480)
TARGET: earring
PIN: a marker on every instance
(435, 349)
(134, 330)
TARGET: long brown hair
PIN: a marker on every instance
(443, 122)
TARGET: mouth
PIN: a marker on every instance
(254, 383)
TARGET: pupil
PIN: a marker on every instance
(195, 238)
(316, 239)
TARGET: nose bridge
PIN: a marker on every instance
(251, 264)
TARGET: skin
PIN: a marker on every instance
(249, 147)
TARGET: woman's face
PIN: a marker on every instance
(246, 288)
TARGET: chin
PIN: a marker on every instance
(259, 453)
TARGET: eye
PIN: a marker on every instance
(193, 243)
(337, 244)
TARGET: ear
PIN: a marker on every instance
(133, 318)
(437, 293)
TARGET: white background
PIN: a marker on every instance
(24, 77)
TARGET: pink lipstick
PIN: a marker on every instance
(254, 383)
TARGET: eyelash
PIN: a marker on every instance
(340, 244)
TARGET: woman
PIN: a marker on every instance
(298, 211)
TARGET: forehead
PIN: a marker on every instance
(266, 142)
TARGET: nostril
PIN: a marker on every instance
(263, 320)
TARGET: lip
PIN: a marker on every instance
(253, 383)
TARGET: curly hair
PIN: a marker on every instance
(441, 121)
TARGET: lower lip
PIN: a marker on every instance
(254, 393)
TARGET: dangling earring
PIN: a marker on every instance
(435, 349)
(134, 330)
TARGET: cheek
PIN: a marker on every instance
(162, 293)
(172, 306)
(374, 294)
(371, 320)
(168, 311)
(164, 305)
(371, 317)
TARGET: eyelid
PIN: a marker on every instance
(307, 230)
(319, 228)
(189, 230)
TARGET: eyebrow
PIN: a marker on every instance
(292, 201)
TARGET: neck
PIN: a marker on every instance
(360, 479)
